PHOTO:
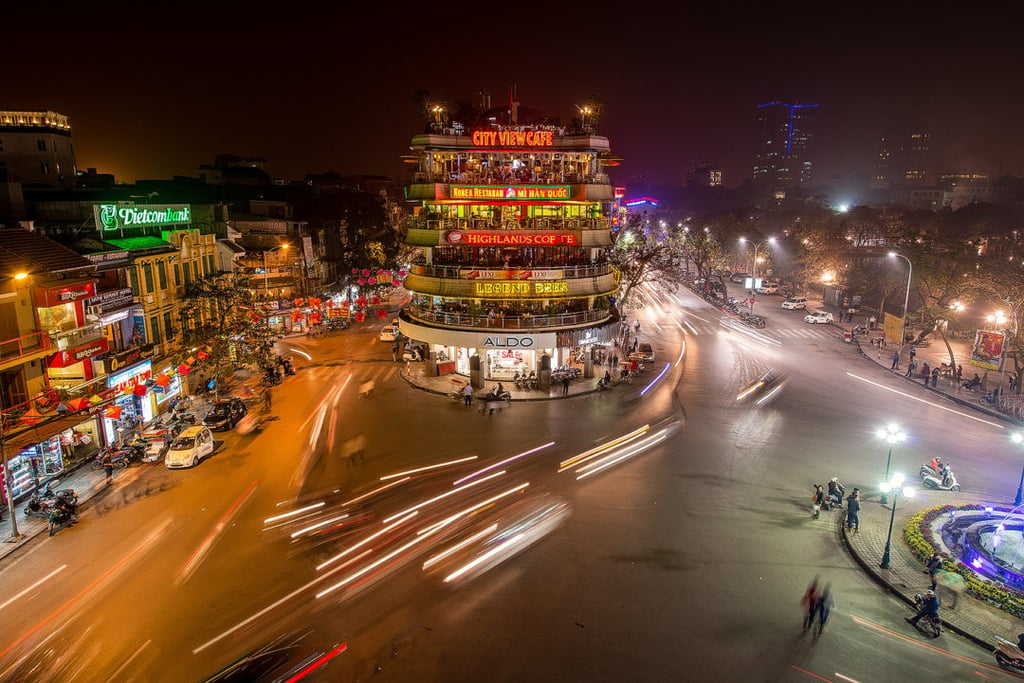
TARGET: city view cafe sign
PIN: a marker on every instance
(118, 218)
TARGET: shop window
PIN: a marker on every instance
(40, 145)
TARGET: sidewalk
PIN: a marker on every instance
(416, 375)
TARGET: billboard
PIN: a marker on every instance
(987, 349)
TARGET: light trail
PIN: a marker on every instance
(576, 459)
(34, 585)
(149, 540)
(656, 379)
(317, 663)
(465, 511)
(921, 400)
(430, 501)
(363, 542)
(459, 546)
(268, 608)
(116, 675)
(635, 449)
(503, 462)
(305, 355)
(486, 556)
(427, 468)
(373, 565)
(313, 527)
(293, 513)
(187, 569)
(374, 492)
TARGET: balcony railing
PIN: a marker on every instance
(76, 337)
(507, 322)
(475, 178)
(27, 344)
(566, 272)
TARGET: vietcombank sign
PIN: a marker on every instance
(116, 218)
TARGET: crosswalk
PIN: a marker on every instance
(378, 373)
(807, 331)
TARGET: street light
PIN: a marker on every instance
(8, 479)
(906, 297)
(753, 270)
(266, 275)
(893, 436)
(1018, 438)
(896, 486)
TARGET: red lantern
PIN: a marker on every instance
(315, 319)
(113, 412)
(375, 301)
(355, 271)
(361, 282)
(202, 355)
(162, 380)
(297, 316)
(372, 281)
(300, 301)
(184, 369)
(139, 390)
(396, 283)
(401, 273)
(330, 303)
(360, 317)
(381, 314)
(365, 272)
(361, 301)
(315, 301)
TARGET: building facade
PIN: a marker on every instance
(513, 220)
(36, 149)
(784, 144)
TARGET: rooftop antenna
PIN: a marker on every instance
(513, 105)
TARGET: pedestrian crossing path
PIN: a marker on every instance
(696, 328)
(362, 372)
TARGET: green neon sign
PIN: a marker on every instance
(111, 217)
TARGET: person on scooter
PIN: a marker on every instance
(835, 493)
(947, 476)
(936, 464)
(930, 605)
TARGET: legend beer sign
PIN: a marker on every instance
(115, 218)
(510, 193)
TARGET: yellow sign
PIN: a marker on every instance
(512, 288)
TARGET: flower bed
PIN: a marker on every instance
(920, 537)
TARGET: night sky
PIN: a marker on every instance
(156, 90)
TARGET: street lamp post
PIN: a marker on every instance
(1018, 438)
(8, 479)
(1000, 319)
(896, 486)
(893, 436)
(753, 269)
(906, 297)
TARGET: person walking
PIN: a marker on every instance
(810, 603)
(108, 466)
(935, 377)
(817, 500)
(933, 567)
(467, 394)
(895, 360)
(636, 326)
(853, 510)
(913, 352)
(394, 352)
(565, 386)
(823, 607)
(910, 369)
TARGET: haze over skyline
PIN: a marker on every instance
(311, 90)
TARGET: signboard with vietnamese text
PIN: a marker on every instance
(510, 274)
(513, 138)
(987, 350)
(130, 378)
(509, 192)
(509, 238)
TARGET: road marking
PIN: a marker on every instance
(42, 580)
(921, 400)
(114, 676)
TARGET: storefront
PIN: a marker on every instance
(130, 391)
(57, 446)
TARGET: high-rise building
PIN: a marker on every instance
(512, 215)
(36, 150)
(903, 156)
(784, 144)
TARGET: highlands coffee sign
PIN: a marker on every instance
(509, 238)
(116, 218)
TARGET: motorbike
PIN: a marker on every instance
(946, 482)
(1008, 655)
(61, 517)
(119, 458)
(493, 395)
(928, 470)
(39, 505)
(929, 624)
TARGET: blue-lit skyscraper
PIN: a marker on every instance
(785, 133)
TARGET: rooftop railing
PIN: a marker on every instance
(452, 272)
(524, 321)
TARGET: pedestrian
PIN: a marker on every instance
(810, 603)
(636, 343)
(565, 385)
(925, 372)
(913, 352)
(933, 567)
(394, 352)
(911, 368)
(935, 377)
(853, 510)
(467, 394)
(959, 373)
(895, 360)
(817, 500)
(871, 322)
(636, 326)
(108, 466)
(823, 606)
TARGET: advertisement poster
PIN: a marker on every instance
(988, 348)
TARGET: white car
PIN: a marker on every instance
(768, 288)
(795, 302)
(387, 334)
(818, 317)
(191, 446)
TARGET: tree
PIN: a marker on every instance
(221, 329)
(646, 254)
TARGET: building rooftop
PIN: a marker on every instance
(22, 251)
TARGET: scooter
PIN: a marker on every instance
(493, 395)
(928, 470)
(946, 482)
(118, 458)
(1008, 655)
(41, 504)
(929, 624)
(59, 517)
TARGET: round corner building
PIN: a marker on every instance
(513, 219)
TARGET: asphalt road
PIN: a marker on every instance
(685, 561)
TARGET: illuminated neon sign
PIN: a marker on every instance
(519, 193)
(513, 288)
(511, 239)
(513, 138)
(111, 217)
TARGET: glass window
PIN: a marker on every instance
(40, 145)
(147, 273)
(177, 276)
(154, 330)
(168, 327)
(161, 271)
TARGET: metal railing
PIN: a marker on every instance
(507, 322)
(452, 272)
(33, 342)
(475, 178)
(556, 224)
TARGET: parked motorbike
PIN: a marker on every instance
(119, 458)
(39, 505)
(61, 517)
(946, 482)
(1008, 655)
(494, 395)
(929, 624)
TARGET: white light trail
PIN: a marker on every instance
(482, 504)
(427, 468)
(442, 496)
(34, 585)
(373, 565)
(313, 527)
(459, 546)
(639, 447)
(503, 462)
(374, 492)
(486, 556)
(363, 542)
(293, 513)
(625, 438)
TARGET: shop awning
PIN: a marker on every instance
(22, 437)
